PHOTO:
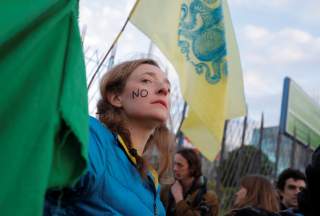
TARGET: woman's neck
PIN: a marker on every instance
(139, 135)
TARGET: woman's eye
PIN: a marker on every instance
(146, 81)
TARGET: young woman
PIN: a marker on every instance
(132, 113)
(189, 195)
(256, 197)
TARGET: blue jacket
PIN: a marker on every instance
(112, 184)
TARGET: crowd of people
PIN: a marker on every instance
(121, 180)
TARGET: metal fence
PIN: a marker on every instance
(250, 148)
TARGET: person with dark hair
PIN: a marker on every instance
(308, 199)
(256, 197)
(132, 113)
(189, 195)
(290, 183)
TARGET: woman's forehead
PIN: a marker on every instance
(150, 70)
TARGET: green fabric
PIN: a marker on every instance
(43, 102)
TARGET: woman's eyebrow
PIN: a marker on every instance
(154, 76)
(149, 73)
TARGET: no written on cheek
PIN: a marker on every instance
(139, 93)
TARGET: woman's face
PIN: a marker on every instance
(181, 168)
(146, 95)
(240, 195)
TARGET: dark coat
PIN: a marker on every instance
(308, 199)
(197, 201)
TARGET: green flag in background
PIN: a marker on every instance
(43, 102)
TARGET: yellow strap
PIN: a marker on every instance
(131, 157)
(155, 176)
(152, 171)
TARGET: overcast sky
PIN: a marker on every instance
(276, 38)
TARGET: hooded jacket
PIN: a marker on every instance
(112, 184)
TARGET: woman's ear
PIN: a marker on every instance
(114, 99)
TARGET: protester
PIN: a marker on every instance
(256, 197)
(290, 183)
(132, 120)
(189, 195)
(308, 199)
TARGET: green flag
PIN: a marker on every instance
(43, 102)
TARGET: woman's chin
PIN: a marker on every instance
(163, 120)
(156, 122)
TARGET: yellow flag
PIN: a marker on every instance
(198, 38)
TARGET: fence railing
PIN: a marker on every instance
(249, 147)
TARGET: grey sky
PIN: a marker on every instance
(277, 38)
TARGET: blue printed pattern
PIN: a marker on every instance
(201, 31)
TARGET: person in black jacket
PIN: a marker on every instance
(290, 183)
(308, 199)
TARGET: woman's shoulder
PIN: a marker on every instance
(99, 128)
(101, 138)
(210, 196)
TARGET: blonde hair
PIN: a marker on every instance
(113, 117)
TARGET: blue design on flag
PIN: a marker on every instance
(201, 30)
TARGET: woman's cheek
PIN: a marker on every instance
(139, 93)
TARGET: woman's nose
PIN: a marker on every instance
(163, 89)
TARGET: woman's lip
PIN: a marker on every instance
(160, 102)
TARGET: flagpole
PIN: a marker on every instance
(113, 43)
(185, 105)
(112, 57)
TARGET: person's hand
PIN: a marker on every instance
(177, 191)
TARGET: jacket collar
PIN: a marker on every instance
(152, 173)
